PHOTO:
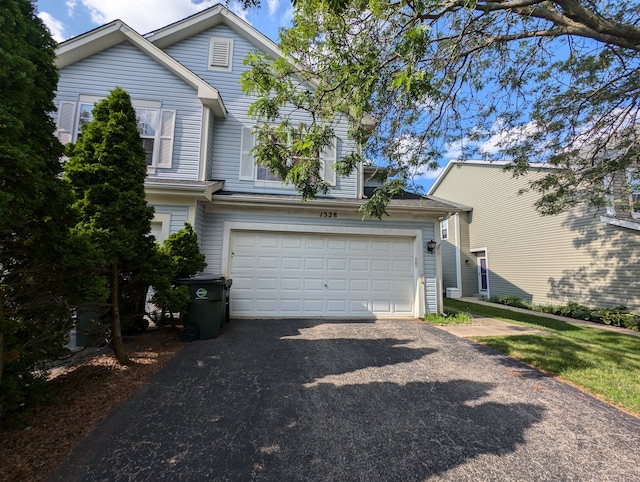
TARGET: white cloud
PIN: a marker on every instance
(504, 137)
(287, 16)
(241, 12)
(71, 6)
(55, 26)
(143, 15)
(273, 7)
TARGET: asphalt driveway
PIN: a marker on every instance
(387, 400)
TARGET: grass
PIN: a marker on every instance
(604, 363)
(449, 318)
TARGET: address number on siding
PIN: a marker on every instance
(328, 214)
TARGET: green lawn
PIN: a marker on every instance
(602, 362)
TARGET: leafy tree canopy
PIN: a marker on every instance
(540, 81)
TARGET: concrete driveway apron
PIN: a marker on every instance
(326, 400)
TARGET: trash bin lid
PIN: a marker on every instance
(203, 278)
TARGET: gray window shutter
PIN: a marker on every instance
(165, 138)
(246, 157)
(329, 160)
(66, 122)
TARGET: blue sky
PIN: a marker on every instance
(69, 18)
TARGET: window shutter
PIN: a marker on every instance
(165, 138)
(329, 160)
(66, 122)
(246, 157)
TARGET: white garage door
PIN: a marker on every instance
(305, 274)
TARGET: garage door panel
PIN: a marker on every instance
(314, 243)
(288, 306)
(314, 264)
(314, 284)
(382, 307)
(305, 274)
(291, 263)
(291, 284)
(381, 265)
(292, 243)
(267, 262)
(267, 284)
(337, 284)
(381, 286)
(356, 285)
(337, 264)
(266, 242)
(359, 265)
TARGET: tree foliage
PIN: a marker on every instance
(178, 257)
(107, 169)
(35, 260)
(538, 81)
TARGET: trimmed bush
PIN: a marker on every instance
(619, 316)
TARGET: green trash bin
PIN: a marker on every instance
(208, 307)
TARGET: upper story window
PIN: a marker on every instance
(155, 125)
(220, 53)
(249, 171)
(633, 177)
(444, 229)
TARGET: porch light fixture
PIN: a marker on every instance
(431, 246)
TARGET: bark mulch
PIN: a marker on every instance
(85, 390)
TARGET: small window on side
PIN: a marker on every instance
(444, 229)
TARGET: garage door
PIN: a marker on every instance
(305, 274)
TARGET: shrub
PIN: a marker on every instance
(618, 316)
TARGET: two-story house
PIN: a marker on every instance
(503, 246)
(287, 258)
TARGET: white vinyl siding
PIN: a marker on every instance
(143, 78)
(571, 257)
(229, 132)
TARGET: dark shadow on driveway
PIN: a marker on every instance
(300, 400)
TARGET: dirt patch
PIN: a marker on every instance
(84, 392)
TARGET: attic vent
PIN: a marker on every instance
(220, 53)
(634, 201)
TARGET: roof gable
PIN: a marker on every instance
(201, 21)
(460, 164)
(117, 32)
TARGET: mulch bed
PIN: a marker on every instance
(85, 391)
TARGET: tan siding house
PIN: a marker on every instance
(507, 248)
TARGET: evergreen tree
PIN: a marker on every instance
(107, 169)
(34, 207)
(178, 257)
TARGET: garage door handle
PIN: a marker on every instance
(326, 286)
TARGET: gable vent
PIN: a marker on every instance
(220, 53)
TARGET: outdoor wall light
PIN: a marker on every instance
(431, 246)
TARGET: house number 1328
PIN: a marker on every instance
(328, 214)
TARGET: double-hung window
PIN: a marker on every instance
(155, 125)
(444, 229)
(249, 171)
(633, 177)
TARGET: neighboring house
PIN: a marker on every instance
(503, 246)
(287, 258)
